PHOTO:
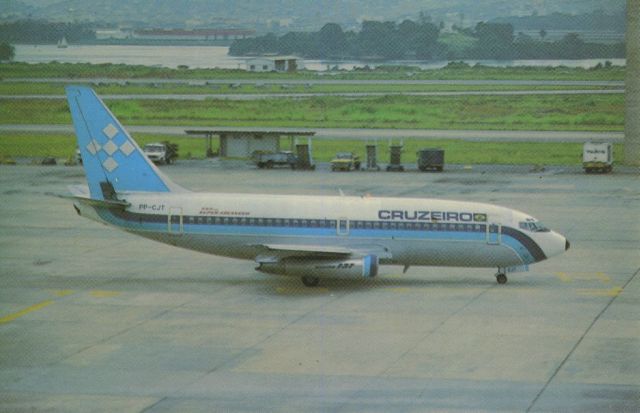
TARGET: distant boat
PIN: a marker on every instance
(62, 43)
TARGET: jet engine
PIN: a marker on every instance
(366, 266)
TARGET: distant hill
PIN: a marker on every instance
(596, 20)
(598, 26)
(291, 14)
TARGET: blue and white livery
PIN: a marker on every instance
(306, 236)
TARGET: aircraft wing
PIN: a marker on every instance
(270, 253)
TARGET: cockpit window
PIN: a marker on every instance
(533, 226)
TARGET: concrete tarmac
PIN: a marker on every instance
(95, 319)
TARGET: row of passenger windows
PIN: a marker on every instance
(328, 223)
(416, 226)
(263, 222)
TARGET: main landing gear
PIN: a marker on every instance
(501, 276)
(310, 281)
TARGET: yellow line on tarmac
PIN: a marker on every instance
(583, 276)
(297, 290)
(564, 277)
(35, 307)
(104, 293)
(613, 292)
(62, 293)
(401, 289)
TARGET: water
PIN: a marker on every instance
(216, 56)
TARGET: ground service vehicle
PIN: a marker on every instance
(597, 157)
(269, 160)
(161, 152)
(345, 161)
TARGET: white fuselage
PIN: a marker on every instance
(408, 231)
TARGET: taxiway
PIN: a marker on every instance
(93, 319)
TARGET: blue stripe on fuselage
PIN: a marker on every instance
(528, 251)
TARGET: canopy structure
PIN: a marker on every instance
(241, 143)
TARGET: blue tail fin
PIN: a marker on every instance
(112, 160)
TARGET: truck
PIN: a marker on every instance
(161, 152)
(597, 157)
(345, 161)
(269, 160)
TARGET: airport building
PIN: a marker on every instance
(275, 64)
(243, 143)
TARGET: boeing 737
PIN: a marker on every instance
(306, 236)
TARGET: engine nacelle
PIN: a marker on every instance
(361, 267)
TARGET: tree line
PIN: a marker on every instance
(7, 52)
(44, 32)
(498, 41)
(382, 40)
(420, 40)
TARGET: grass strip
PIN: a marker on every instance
(537, 112)
(39, 145)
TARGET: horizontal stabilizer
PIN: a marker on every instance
(80, 193)
(101, 203)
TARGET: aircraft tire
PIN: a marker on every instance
(310, 281)
(501, 278)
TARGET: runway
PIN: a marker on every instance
(266, 81)
(363, 134)
(94, 319)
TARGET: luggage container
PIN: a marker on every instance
(431, 159)
(395, 161)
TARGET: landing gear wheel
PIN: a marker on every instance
(310, 281)
(501, 278)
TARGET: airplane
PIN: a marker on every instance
(310, 237)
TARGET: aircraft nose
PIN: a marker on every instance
(567, 245)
